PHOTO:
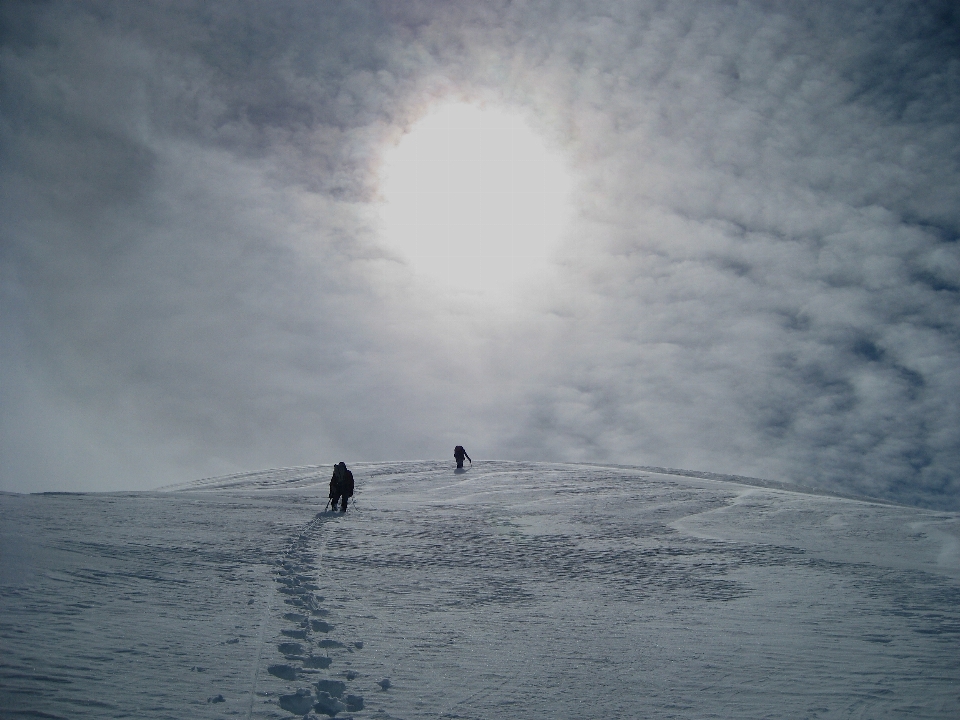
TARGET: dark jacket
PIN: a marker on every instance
(342, 481)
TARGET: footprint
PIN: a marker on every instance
(317, 661)
(298, 704)
(294, 590)
(284, 672)
(307, 601)
(330, 644)
(290, 648)
(321, 626)
(328, 705)
(298, 634)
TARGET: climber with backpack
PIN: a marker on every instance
(341, 486)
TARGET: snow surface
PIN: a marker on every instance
(513, 590)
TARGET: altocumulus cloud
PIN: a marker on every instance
(761, 276)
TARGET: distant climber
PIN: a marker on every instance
(459, 453)
(341, 486)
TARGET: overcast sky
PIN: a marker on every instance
(760, 273)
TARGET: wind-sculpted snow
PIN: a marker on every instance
(510, 590)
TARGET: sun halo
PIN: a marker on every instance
(474, 200)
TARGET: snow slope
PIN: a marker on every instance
(513, 590)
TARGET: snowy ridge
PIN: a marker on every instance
(745, 480)
(273, 479)
(294, 477)
(527, 590)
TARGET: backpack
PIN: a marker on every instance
(346, 483)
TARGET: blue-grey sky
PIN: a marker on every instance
(760, 273)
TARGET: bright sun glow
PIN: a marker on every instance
(474, 200)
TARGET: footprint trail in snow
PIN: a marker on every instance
(315, 666)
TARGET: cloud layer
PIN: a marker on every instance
(762, 277)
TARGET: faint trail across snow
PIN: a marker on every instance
(267, 595)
